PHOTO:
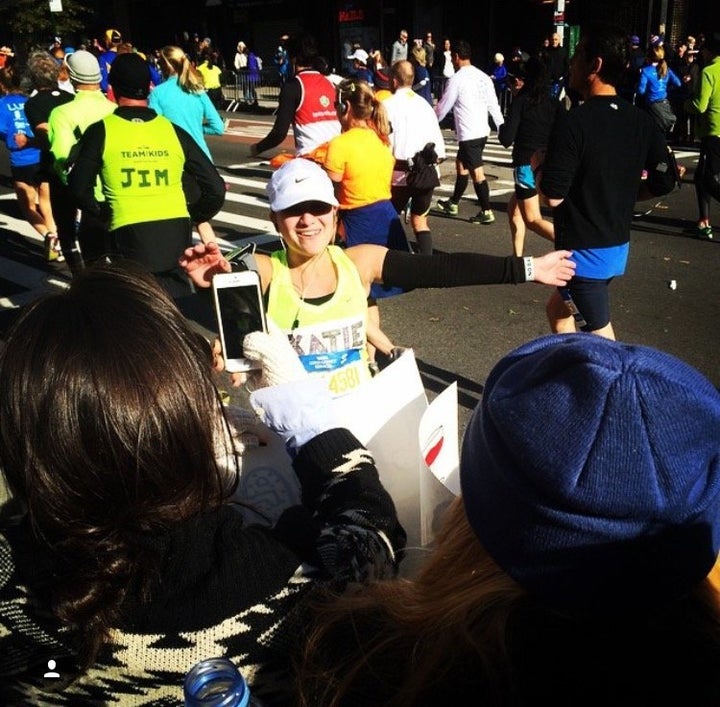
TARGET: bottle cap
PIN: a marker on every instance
(215, 682)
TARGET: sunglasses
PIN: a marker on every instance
(316, 208)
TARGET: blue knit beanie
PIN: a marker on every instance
(590, 472)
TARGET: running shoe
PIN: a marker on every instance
(447, 206)
(483, 217)
(52, 248)
(705, 233)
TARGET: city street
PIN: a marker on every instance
(458, 334)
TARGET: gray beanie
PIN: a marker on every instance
(83, 67)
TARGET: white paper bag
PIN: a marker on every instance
(384, 414)
(415, 446)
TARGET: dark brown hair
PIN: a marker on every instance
(110, 426)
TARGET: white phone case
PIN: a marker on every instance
(239, 310)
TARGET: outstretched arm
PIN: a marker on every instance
(347, 527)
(411, 271)
(288, 101)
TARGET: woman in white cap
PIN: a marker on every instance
(360, 163)
(361, 70)
(316, 292)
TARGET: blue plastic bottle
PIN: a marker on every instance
(216, 682)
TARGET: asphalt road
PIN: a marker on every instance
(458, 334)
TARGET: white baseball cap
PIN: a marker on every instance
(361, 55)
(297, 181)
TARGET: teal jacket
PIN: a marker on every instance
(192, 111)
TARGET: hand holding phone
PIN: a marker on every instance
(239, 310)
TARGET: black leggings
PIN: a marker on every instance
(92, 236)
(709, 158)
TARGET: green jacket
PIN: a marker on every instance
(707, 100)
(69, 121)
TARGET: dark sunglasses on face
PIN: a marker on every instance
(316, 208)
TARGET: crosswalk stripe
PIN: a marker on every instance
(18, 225)
(254, 224)
(244, 182)
(21, 274)
(248, 200)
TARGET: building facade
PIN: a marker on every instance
(489, 25)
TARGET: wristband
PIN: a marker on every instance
(529, 269)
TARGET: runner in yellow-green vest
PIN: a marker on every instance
(141, 158)
(66, 125)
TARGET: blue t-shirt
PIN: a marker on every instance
(12, 121)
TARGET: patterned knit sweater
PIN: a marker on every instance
(223, 589)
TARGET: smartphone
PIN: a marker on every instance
(239, 310)
(238, 252)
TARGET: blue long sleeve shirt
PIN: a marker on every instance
(653, 87)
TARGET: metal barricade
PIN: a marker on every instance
(252, 88)
(505, 98)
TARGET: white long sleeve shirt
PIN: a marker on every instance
(414, 124)
(471, 96)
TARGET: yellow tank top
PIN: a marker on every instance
(142, 171)
(329, 338)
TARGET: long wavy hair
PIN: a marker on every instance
(174, 62)
(357, 99)
(110, 426)
(425, 623)
(464, 626)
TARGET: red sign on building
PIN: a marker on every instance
(351, 16)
